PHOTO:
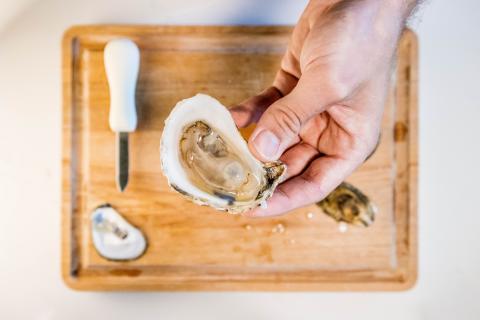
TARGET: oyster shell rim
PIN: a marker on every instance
(222, 205)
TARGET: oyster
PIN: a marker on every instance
(113, 237)
(205, 158)
(348, 204)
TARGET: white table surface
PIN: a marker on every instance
(30, 106)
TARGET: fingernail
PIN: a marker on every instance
(266, 144)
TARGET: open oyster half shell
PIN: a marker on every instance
(348, 204)
(114, 237)
(205, 158)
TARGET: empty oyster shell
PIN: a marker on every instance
(113, 237)
(348, 204)
(205, 158)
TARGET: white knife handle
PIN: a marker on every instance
(122, 61)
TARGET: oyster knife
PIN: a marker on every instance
(122, 62)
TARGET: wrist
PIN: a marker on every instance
(402, 7)
(396, 9)
(388, 18)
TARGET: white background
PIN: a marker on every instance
(30, 142)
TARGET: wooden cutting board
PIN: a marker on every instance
(197, 248)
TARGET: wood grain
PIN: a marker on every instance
(197, 248)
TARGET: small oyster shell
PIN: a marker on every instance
(113, 237)
(205, 158)
(348, 204)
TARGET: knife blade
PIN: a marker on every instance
(121, 175)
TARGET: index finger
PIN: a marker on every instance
(322, 176)
(250, 110)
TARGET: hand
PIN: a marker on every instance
(323, 113)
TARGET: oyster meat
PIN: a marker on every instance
(205, 158)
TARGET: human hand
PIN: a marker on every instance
(323, 113)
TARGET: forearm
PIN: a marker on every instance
(408, 7)
(387, 10)
(397, 9)
(380, 21)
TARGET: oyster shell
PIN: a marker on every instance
(113, 237)
(205, 158)
(348, 204)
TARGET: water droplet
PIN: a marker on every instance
(279, 228)
(292, 241)
(342, 227)
(310, 215)
(248, 227)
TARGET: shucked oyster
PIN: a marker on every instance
(205, 158)
(348, 204)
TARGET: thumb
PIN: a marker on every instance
(280, 125)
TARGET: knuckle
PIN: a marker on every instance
(337, 87)
(313, 185)
(366, 146)
(371, 147)
(335, 83)
(287, 119)
(284, 193)
(373, 143)
(357, 151)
